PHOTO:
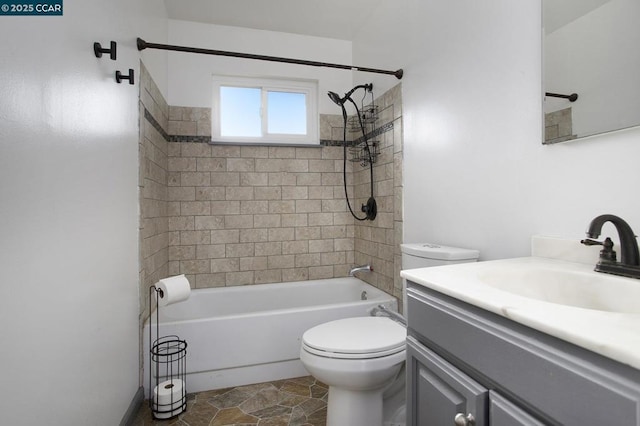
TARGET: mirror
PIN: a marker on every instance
(592, 50)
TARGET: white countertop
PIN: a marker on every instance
(611, 334)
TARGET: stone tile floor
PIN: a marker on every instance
(293, 402)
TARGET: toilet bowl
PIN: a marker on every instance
(360, 359)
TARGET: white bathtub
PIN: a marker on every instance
(251, 334)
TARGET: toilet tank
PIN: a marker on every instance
(423, 255)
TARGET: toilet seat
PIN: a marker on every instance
(355, 338)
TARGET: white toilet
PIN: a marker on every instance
(362, 358)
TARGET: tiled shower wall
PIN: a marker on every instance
(558, 126)
(248, 215)
(378, 242)
(153, 193)
(229, 215)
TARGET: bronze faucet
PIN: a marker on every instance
(629, 265)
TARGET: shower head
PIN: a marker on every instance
(336, 98)
(340, 101)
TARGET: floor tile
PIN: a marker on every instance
(301, 401)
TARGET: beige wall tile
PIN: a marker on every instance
(210, 251)
(281, 234)
(210, 280)
(238, 222)
(225, 265)
(179, 193)
(295, 247)
(322, 246)
(194, 149)
(267, 193)
(209, 222)
(225, 236)
(281, 262)
(295, 274)
(225, 151)
(196, 208)
(238, 215)
(254, 235)
(182, 164)
(195, 266)
(210, 193)
(239, 250)
(195, 179)
(295, 219)
(268, 249)
(195, 237)
(253, 263)
(267, 221)
(240, 278)
(211, 164)
(320, 272)
(269, 276)
(254, 207)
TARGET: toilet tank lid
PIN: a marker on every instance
(436, 251)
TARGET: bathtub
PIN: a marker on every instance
(251, 334)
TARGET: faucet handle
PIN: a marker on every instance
(590, 242)
(607, 253)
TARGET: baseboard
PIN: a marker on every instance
(132, 411)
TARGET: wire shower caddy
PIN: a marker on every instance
(364, 150)
(168, 363)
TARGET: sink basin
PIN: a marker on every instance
(578, 288)
(561, 296)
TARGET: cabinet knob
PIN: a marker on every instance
(464, 419)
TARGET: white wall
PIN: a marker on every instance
(190, 74)
(476, 174)
(152, 26)
(69, 216)
(579, 58)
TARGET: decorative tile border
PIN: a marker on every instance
(151, 119)
(207, 139)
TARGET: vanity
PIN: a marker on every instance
(541, 340)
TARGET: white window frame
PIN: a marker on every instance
(309, 88)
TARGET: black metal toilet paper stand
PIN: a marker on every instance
(168, 364)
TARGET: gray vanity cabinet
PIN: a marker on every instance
(439, 391)
(467, 366)
(503, 412)
(441, 394)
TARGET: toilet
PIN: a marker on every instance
(362, 359)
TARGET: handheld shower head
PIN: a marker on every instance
(336, 98)
(340, 101)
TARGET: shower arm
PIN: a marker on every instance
(347, 96)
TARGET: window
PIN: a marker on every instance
(248, 110)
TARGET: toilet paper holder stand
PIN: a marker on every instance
(168, 355)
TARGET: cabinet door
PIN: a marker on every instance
(437, 392)
(503, 412)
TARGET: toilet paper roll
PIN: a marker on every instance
(173, 289)
(168, 398)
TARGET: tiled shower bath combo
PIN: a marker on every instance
(232, 215)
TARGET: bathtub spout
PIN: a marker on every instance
(367, 268)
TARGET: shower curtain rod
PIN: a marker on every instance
(572, 97)
(144, 45)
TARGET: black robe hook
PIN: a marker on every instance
(99, 50)
(120, 76)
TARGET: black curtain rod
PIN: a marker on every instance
(144, 45)
(572, 97)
